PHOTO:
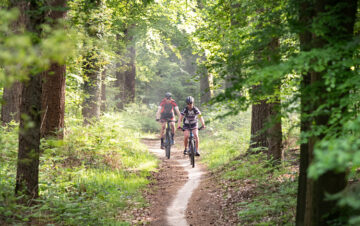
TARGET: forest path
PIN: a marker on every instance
(179, 194)
(174, 185)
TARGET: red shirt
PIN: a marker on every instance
(167, 108)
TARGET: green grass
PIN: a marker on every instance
(89, 178)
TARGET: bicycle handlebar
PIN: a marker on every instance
(200, 128)
(166, 120)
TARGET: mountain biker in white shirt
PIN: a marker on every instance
(189, 116)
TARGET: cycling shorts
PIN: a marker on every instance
(190, 126)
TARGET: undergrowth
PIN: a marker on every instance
(86, 179)
(264, 195)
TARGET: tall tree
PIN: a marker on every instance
(274, 130)
(92, 87)
(130, 74)
(53, 87)
(306, 13)
(103, 91)
(94, 22)
(205, 85)
(27, 174)
(126, 71)
(335, 23)
(10, 110)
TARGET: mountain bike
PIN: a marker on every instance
(168, 139)
(192, 147)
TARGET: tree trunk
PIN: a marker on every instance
(119, 84)
(27, 174)
(10, 110)
(53, 95)
(103, 91)
(274, 132)
(259, 117)
(316, 209)
(205, 85)
(130, 74)
(92, 84)
(305, 15)
(53, 101)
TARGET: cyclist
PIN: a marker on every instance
(166, 112)
(189, 117)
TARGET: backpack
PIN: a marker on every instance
(167, 111)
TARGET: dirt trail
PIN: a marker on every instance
(176, 181)
(181, 195)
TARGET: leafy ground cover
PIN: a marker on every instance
(253, 192)
(88, 178)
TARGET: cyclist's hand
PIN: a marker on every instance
(157, 119)
(203, 126)
(179, 127)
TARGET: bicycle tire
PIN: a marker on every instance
(192, 153)
(168, 144)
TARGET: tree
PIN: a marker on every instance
(10, 110)
(29, 134)
(53, 87)
(335, 24)
(205, 85)
(92, 87)
(103, 91)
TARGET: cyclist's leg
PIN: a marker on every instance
(162, 132)
(172, 124)
(186, 139)
(196, 135)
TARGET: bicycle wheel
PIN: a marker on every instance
(192, 153)
(168, 144)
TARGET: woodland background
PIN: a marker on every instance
(277, 82)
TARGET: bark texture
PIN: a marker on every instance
(53, 94)
(53, 101)
(259, 118)
(10, 110)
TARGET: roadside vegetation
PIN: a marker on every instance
(89, 178)
(261, 194)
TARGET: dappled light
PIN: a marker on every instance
(179, 112)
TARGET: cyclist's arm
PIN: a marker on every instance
(202, 120)
(158, 113)
(177, 111)
(180, 119)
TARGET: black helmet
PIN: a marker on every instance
(189, 100)
(168, 95)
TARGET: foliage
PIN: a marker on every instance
(20, 55)
(266, 195)
(103, 166)
(224, 138)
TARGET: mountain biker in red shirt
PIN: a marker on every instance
(166, 112)
(189, 117)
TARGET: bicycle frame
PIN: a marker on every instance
(192, 148)
(168, 139)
